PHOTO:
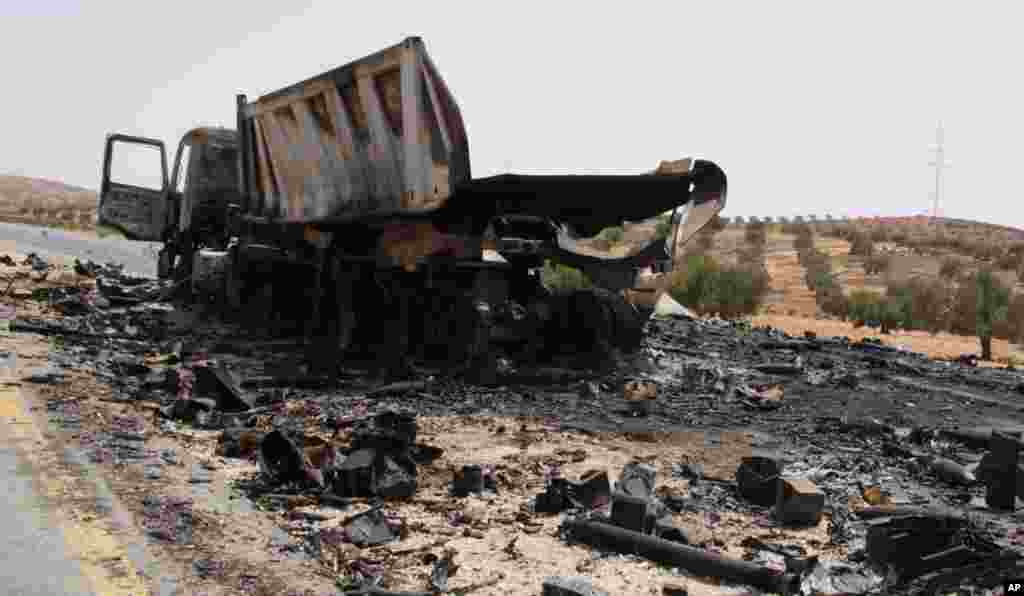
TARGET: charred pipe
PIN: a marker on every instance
(694, 560)
(977, 438)
(877, 511)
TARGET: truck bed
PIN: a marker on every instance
(381, 135)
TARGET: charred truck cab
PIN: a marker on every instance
(349, 212)
(189, 210)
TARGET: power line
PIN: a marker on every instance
(939, 163)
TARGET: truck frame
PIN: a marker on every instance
(352, 218)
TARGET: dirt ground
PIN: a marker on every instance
(941, 346)
(246, 546)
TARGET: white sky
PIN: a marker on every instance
(811, 107)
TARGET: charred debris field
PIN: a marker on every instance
(721, 459)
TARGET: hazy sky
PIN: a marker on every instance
(810, 107)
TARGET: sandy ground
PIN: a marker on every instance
(500, 547)
(942, 345)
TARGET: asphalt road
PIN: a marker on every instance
(35, 561)
(137, 257)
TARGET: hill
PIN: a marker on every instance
(46, 202)
(904, 250)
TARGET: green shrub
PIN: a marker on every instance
(663, 227)
(707, 287)
(693, 283)
(992, 308)
(613, 234)
(562, 278)
(865, 305)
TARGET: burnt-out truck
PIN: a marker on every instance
(344, 207)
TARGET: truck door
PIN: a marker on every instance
(133, 194)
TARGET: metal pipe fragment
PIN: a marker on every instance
(876, 511)
(695, 560)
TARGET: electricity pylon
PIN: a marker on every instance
(939, 163)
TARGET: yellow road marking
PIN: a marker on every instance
(103, 561)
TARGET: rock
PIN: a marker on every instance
(570, 586)
(640, 396)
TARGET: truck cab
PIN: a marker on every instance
(186, 210)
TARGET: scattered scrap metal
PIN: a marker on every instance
(917, 480)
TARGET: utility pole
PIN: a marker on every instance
(939, 163)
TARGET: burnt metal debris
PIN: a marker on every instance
(400, 263)
(858, 420)
(937, 478)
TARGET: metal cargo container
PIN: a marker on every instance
(381, 135)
